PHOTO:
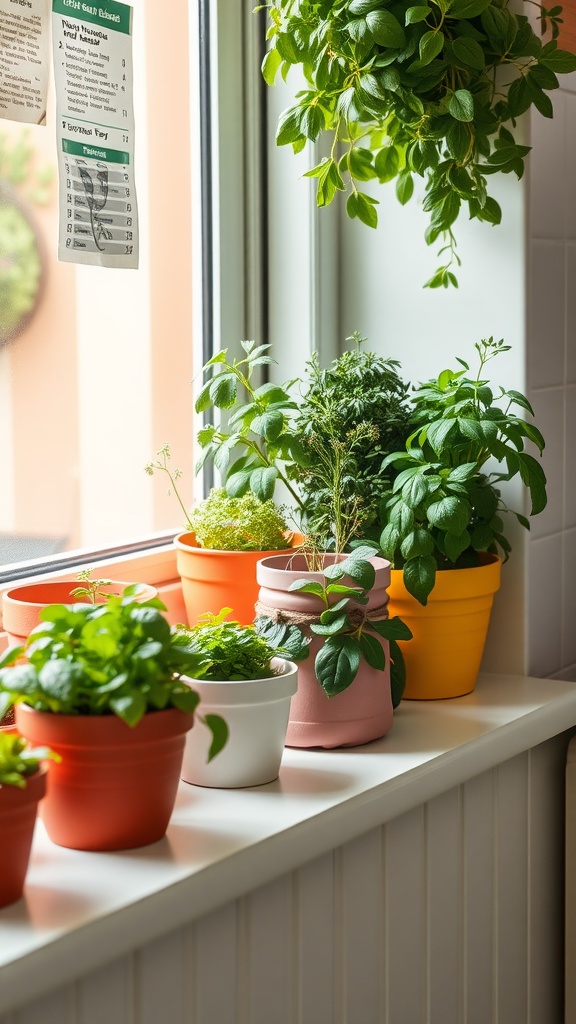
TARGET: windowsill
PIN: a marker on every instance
(82, 910)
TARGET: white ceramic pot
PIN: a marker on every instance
(256, 712)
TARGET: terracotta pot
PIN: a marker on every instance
(256, 712)
(18, 808)
(21, 606)
(115, 786)
(449, 633)
(212, 580)
(361, 713)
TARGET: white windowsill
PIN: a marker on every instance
(82, 910)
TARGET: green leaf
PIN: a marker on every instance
(439, 434)
(419, 577)
(263, 481)
(386, 29)
(387, 163)
(458, 140)
(339, 623)
(130, 708)
(397, 673)
(289, 126)
(469, 52)
(450, 514)
(404, 187)
(337, 664)
(534, 477)
(270, 65)
(220, 733)
(389, 540)
(308, 587)
(560, 61)
(461, 105)
(60, 680)
(455, 544)
(222, 390)
(417, 14)
(390, 629)
(415, 490)
(360, 8)
(431, 44)
(418, 543)
(362, 206)
(269, 424)
(372, 651)
(467, 8)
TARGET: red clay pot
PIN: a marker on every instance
(21, 606)
(115, 786)
(18, 808)
(363, 712)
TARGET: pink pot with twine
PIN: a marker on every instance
(359, 714)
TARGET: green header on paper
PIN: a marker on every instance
(107, 13)
(111, 156)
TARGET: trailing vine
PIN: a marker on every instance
(415, 88)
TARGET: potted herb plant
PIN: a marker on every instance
(21, 605)
(318, 447)
(103, 687)
(22, 786)
(428, 90)
(250, 684)
(224, 538)
(332, 611)
(444, 519)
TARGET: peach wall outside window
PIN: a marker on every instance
(102, 376)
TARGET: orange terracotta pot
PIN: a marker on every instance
(21, 606)
(18, 808)
(361, 713)
(115, 786)
(449, 633)
(212, 580)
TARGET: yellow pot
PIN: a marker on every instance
(449, 633)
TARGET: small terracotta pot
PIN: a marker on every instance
(359, 714)
(256, 713)
(115, 786)
(21, 606)
(18, 808)
(212, 580)
(449, 633)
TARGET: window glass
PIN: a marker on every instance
(99, 375)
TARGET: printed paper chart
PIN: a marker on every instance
(95, 128)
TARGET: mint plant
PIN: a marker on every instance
(417, 88)
(232, 651)
(347, 632)
(445, 504)
(18, 761)
(120, 657)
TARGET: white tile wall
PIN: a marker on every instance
(548, 408)
(546, 314)
(544, 635)
(551, 372)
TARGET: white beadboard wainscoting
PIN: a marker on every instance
(416, 880)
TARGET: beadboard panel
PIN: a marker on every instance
(449, 914)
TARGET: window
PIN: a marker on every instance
(101, 376)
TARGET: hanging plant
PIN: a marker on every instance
(414, 87)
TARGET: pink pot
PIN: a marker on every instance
(21, 606)
(361, 713)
